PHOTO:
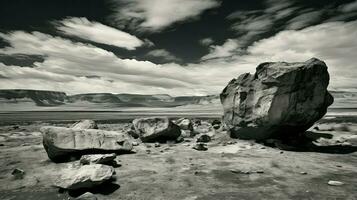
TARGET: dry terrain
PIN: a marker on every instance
(229, 169)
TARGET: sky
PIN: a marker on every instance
(175, 47)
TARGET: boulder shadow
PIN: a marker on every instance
(104, 189)
(305, 143)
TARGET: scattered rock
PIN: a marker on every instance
(15, 127)
(231, 142)
(18, 173)
(63, 143)
(335, 183)
(84, 177)
(157, 144)
(203, 138)
(87, 196)
(279, 99)
(85, 124)
(156, 129)
(200, 147)
(216, 124)
(98, 159)
(185, 124)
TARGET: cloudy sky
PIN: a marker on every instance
(176, 47)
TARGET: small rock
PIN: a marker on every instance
(231, 142)
(98, 158)
(135, 143)
(87, 196)
(200, 147)
(148, 151)
(335, 183)
(18, 173)
(259, 172)
(203, 138)
(303, 173)
(15, 127)
(185, 124)
(157, 144)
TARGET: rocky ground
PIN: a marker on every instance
(229, 169)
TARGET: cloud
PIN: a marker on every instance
(206, 41)
(229, 48)
(99, 33)
(155, 15)
(304, 19)
(349, 7)
(163, 54)
(68, 63)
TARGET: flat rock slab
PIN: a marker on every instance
(97, 158)
(63, 144)
(84, 177)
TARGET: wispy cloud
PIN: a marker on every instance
(99, 33)
(206, 41)
(163, 54)
(155, 15)
(67, 63)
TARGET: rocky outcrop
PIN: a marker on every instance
(156, 129)
(85, 124)
(84, 177)
(63, 144)
(280, 100)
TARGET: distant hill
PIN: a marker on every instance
(51, 98)
(19, 99)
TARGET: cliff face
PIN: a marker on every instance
(52, 98)
(39, 97)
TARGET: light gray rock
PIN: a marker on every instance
(63, 144)
(97, 158)
(335, 183)
(280, 100)
(84, 177)
(85, 124)
(87, 196)
(156, 129)
(185, 124)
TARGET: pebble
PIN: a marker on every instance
(303, 173)
(135, 143)
(157, 144)
(18, 173)
(335, 183)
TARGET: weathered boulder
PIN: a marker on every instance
(85, 124)
(63, 144)
(185, 124)
(156, 129)
(84, 177)
(280, 100)
(97, 158)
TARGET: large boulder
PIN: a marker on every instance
(63, 144)
(280, 100)
(85, 124)
(156, 129)
(84, 177)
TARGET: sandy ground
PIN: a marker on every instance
(176, 171)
